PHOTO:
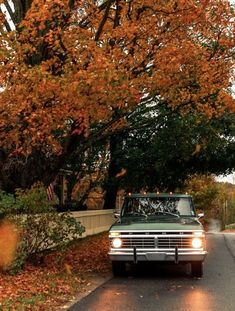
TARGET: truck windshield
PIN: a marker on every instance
(145, 206)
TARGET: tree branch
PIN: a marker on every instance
(19, 14)
(105, 17)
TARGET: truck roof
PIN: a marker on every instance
(158, 195)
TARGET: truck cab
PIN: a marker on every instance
(160, 228)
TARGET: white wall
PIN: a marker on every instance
(95, 221)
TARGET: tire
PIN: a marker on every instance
(197, 269)
(118, 268)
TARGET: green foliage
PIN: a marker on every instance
(24, 302)
(161, 147)
(33, 201)
(205, 191)
(217, 200)
(40, 226)
(6, 202)
(231, 226)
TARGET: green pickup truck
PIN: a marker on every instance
(160, 228)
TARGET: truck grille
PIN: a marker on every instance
(156, 242)
(138, 242)
(160, 242)
(172, 242)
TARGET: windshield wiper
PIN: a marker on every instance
(168, 213)
(135, 215)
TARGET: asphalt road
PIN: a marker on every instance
(170, 288)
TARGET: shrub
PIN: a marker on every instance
(6, 203)
(40, 225)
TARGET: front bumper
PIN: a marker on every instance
(169, 256)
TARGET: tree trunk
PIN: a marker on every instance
(22, 172)
(112, 183)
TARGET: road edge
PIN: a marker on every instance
(230, 243)
(95, 282)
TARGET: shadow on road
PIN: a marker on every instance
(158, 270)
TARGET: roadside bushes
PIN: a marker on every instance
(38, 224)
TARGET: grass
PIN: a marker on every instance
(231, 226)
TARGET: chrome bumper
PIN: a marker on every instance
(182, 256)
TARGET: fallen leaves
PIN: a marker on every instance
(68, 268)
(229, 230)
(58, 280)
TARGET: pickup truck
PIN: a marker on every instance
(160, 228)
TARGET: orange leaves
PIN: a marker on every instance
(197, 149)
(90, 254)
(37, 287)
(121, 173)
(68, 268)
(55, 74)
(50, 281)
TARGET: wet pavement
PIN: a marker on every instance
(170, 288)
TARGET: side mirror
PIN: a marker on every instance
(117, 215)
(200, 215)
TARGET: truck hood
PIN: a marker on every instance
(126, 224)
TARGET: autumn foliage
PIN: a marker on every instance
(215, 199)
(72, 64)
(61, 277)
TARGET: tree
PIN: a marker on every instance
(206, 192)
(216, 199)
(71, 65)
(160, 149)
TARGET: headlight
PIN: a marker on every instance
(117, 243)
(196, 243)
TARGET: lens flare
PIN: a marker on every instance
(117, 242)
(197, 243)
(9, 238)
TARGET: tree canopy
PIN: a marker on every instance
(70, 65)
(159, 151)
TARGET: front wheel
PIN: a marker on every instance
(118, 268)
(197, 269)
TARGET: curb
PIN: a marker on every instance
(229, 239)
(95, 282)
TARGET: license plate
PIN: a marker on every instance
(154, 256)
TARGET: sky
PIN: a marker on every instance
(228, 178)
(4, 10)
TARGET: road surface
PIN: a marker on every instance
(170, 288)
